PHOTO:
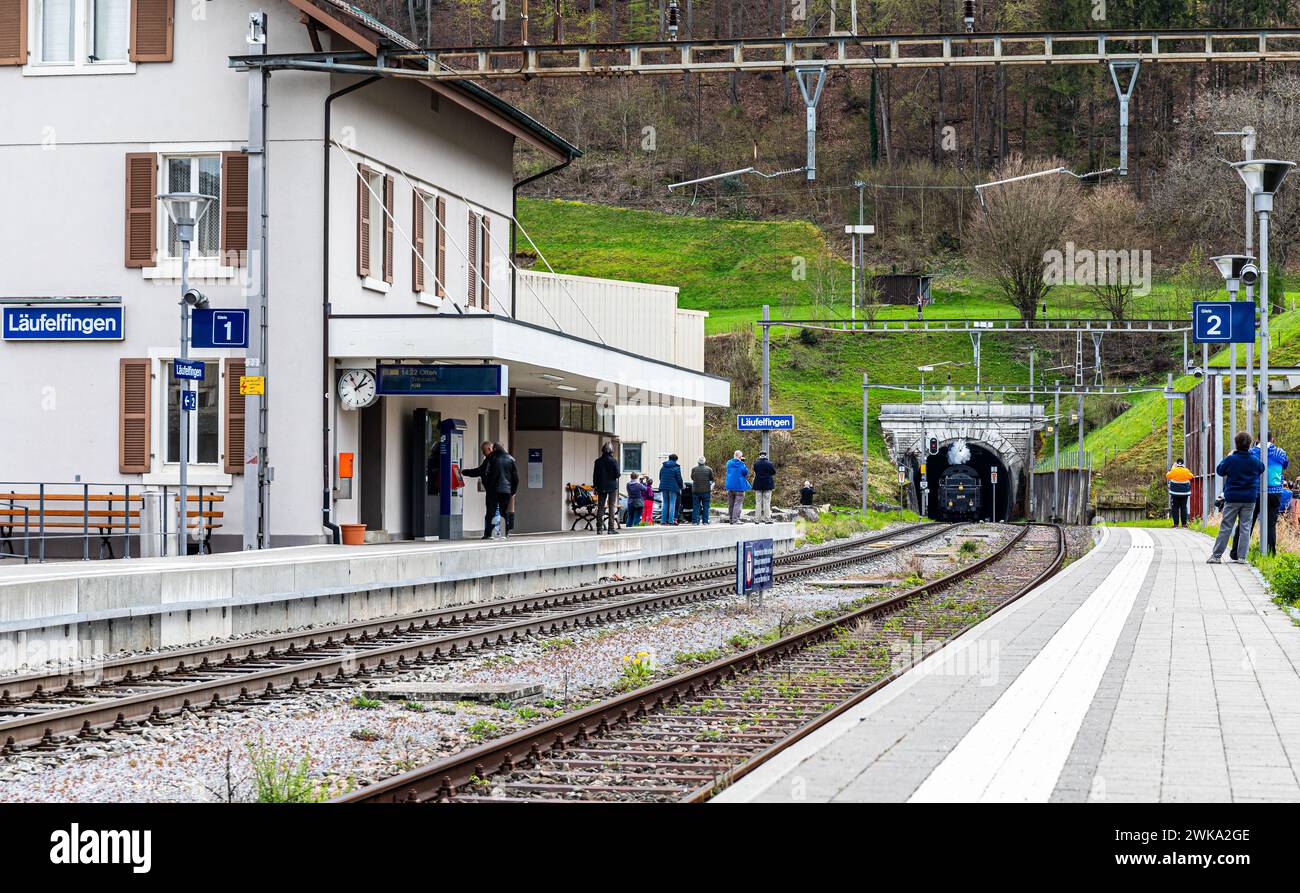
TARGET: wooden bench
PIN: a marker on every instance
(108, 514)
(584, 508)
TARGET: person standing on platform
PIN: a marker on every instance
(648, 513)
(1240, 472)
(635, 501)
(1277, 463)
(1180, 490)
(500, 478)
(737, 482)
(670, 485)
(604, 478)
(701, 491)
(764, 484)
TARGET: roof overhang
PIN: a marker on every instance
(593, 370)
(371, 36)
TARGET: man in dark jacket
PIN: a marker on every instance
(806, 493)
(670, 485)
(764, 484)
(604, 478)
(1240, 472)
(701, 490)
(500, 481)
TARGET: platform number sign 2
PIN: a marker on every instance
(1223, 322)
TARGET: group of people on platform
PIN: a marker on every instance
(677, 492)
(1240, 497)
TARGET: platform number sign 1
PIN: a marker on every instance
(210, 327)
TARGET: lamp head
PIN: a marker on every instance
(1263, 176)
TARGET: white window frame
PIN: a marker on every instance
(201, 474)
(82, 41)
(201, 268)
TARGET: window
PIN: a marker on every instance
(557, 414)
(78, 36)
(111, 24)
(58, 24)
(374, 228)
(194, 173)
(205, 422)
(632, 456)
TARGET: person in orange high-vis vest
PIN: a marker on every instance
(1180, 490)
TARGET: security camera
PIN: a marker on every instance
(1197, 372)
(195, 298)
(1249, 274)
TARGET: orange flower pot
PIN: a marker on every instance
(353, 534)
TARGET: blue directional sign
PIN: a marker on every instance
(189, 400)
(1223, 322)
(190, 369)
(753, 566)
(210, 327)
(63, 324)
(763, 422)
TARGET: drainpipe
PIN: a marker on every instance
(514, 207)
(327, 367)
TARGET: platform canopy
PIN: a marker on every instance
(532, 352)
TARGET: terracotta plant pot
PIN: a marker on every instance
(353, 534)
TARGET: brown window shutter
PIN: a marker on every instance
(440, 214)
(363, 221)
(388, 228)
(133, 400)
(471, 259)
(234, 208)
(141, 208)
(417, 241)
(151, 30)
(13, 32)
(485, 244)
(234, 417)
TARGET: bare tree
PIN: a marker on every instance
(1017, 224)
(1108, 224)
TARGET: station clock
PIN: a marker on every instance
(357, 389)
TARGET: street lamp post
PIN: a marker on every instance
(1262, 178)
(1235, 269)
(185, 209)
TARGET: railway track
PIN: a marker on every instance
(689, 736)
(48, 710)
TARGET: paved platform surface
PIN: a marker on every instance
(1139, 673)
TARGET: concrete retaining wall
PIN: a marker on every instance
(82, 611)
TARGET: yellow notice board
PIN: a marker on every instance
(252, 385)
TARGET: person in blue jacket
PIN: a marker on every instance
(670, 485)
(1240, 472)
(1277, 463)
(736, 482)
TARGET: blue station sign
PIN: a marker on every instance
(210, 327)
(63, 324)
(753, 566)
(764, 422)
(191, 369)
(1223, 322)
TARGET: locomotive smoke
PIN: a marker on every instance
(958, 453)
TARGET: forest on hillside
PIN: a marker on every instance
(918, 139)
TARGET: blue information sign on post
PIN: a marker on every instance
(1223, 322)
(210, 327)
(753, 566)
(189, 400)
(194, 371)
(764, 422)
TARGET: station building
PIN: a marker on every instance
(390, 205)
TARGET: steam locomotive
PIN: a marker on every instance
(959, 492)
